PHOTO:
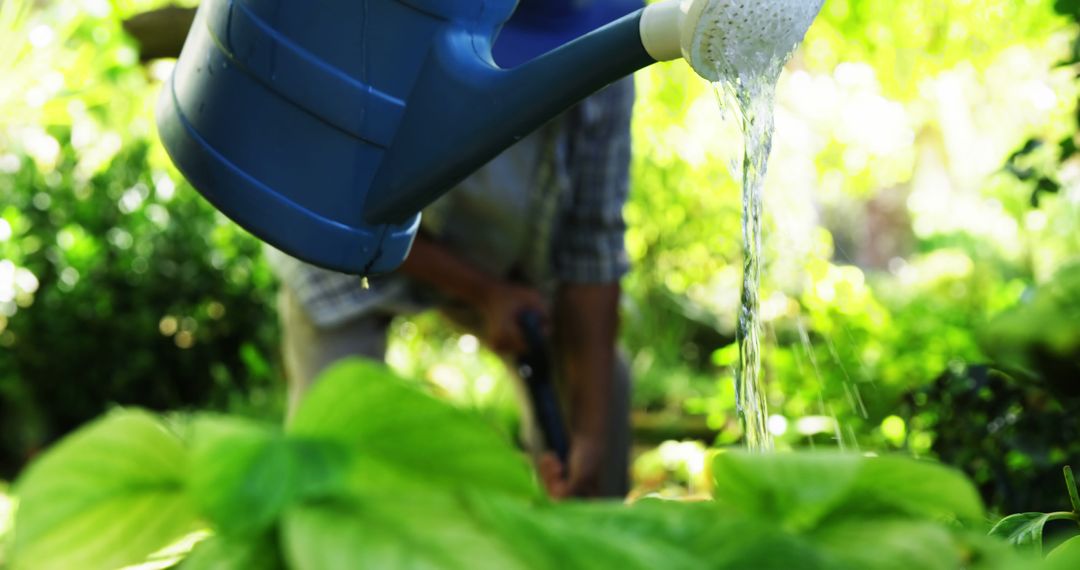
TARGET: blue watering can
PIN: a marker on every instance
(325, 126)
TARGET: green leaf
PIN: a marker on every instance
(249, 553)
(890, 486)
(859, 512)
(1066, 556)
(1024, 530)
(1070, 484)
(793, 489)
(418, 528)
(648, 535)
(889, 544)
(983, 552)
(107, 496)
(382, 420)
(588, 536)
(695, 527)
(803, 490)
(395, 528)
(245, 473)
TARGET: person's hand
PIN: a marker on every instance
(581, 478)
(501, 308)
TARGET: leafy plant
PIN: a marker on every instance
(1025, 530)
(105, 322)
(118, 283)
(1039, 338)
(110, 495)
(374, 473)
(1010, 435)
(1013, 424)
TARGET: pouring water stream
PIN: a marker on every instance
(743, 45)
(756, 116)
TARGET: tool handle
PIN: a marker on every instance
(546, 407)
(536, 372)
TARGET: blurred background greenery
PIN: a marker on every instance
(922, 292)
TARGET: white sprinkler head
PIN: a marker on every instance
(734, 39)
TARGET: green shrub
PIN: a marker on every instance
(373, 473)
(118, 283)
(137, 293)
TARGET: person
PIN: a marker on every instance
(538, 229)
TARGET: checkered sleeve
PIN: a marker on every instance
(588, 245)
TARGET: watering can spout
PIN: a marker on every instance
(326, 131)
(465, 110)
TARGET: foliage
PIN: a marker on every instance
(1013, 425)
(7, 518)
(106, 295)
(894, 238)
(921, 38)
(1011, 436)
(1039, 338)
(118, 284)
(1029, 406)
(854, 137)
(358, 480)
(899, 253)
(127, 473)
(1025, 530)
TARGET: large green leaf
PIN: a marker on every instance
(650, 535)
(1024, 530)
(245, 473)
(395, 528)
(1066, 556)
(247, 553)
(696, 529)
(983, 552)
(804, 490)
(586, 536)
(890, 486)
(429, 529)
(858, 512)
(107, 496)
(889, 544)
(384, 421)
(793, 489)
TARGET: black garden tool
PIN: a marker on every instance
(535, 369)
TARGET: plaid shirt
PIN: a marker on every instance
(548, 211)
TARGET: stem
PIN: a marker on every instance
(1070, 482)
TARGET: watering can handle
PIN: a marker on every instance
(460, 93)
(535, 369)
